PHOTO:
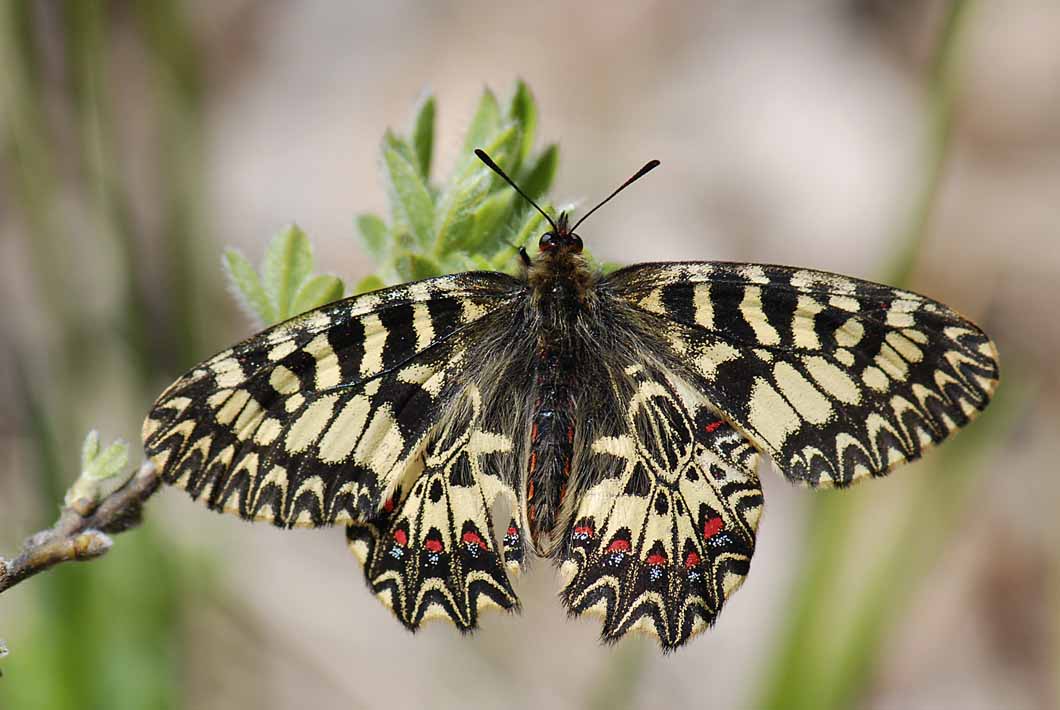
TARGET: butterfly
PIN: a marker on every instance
(615, 421)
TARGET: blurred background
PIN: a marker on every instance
(914, 142)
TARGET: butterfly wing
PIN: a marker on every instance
(431, 552)
(315, 420)
(664, 524)
(835, 378)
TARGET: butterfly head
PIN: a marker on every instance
(561, 238)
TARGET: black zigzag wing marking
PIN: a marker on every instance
(666, 533)
(835, 378)
(431, 552)
(309, 422)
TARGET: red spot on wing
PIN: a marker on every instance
(570, 435)
(712, 527)
(584, 530)
(692, 560)
(389, 505)
(533, 433)
(434, 545)
(533, 461)
(619, 546)
(713, 426)
(530, 488)
(513, 532)
(656, 559)
(401, 537)
(473, 538)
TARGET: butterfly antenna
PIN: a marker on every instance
(648, 167)
(497, 169)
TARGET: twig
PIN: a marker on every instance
(81, 531)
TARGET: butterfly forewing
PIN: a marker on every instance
(313, 421)
(835, 378)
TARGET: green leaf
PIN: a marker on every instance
(368, 283)
(523, 110)
(409, 198)
(245, 284)
(396, 143)
(538, 177)
(414, 267)
(423, 136)
(375, 237)
(531, 225)
(288, 263)
(89, 449)
(500, 146)
(316, 292)
(109, 462)
(486, 122)
(503, 147)
(102, 472)
(457, 261)
(479, 263)
(490, 220)
(456, 213)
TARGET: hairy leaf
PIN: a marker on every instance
(245, 284)
(317, 291)
(288, 263)
(423, 136)
(410, 200)
(375, 237)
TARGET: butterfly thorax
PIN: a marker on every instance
(560, 279)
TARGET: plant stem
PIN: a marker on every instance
(79, 533)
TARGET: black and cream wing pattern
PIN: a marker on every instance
(664, 527)
(616, 429)
(833, 377)
(357, 414)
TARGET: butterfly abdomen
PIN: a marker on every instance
(551, 444)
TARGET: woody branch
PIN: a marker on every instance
(82, 532)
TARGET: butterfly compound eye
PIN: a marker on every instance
(548, 242)
(576, 243)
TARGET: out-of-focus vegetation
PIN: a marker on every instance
(825, 658)
(101, 635)
(472, 221)
(120, 288)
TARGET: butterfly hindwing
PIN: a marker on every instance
(312, 421)
(835, 378)
(432, 552)
(668, 503)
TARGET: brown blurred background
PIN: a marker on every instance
(139, 139)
